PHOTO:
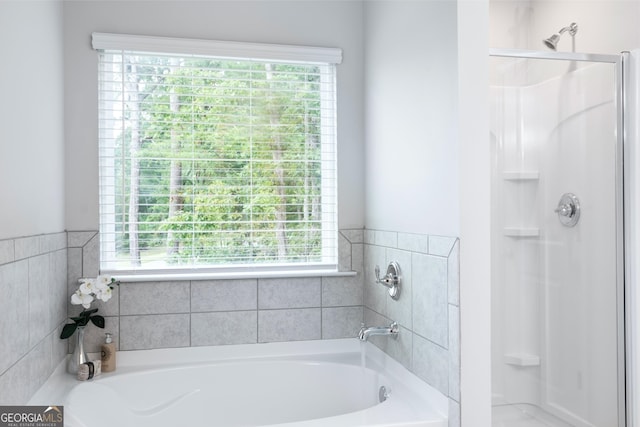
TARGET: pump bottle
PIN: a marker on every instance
(108, 354)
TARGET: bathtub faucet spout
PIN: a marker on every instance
(365, 332)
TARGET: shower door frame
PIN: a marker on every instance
(625, 405)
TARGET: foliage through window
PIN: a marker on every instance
(212, 161)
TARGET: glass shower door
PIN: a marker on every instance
(557, 271)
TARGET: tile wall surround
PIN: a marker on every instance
(428, 309)
(191, 313)
(33, 309)
(148, 315)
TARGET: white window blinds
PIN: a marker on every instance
(215, 162)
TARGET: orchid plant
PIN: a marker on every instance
(99, 288)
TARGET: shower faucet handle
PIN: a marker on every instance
(568, 210)
(565, 210)
(391, 280)
(388, 280)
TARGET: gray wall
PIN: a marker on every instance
(411, 149)
(309, 22)
(32, 264)
(31, 133)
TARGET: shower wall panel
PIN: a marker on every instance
(554, 287)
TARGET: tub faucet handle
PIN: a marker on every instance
(391, 280)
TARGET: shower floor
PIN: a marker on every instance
(524, 415)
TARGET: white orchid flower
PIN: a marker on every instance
(103, 282)
(80, 298)
(90, 289)
(105, 294)
(87, 286)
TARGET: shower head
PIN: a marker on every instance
(552, 42)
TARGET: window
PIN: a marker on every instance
(216, 156)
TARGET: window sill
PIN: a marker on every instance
(164, 277)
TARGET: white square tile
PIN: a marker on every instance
(454, 413)
(60, 348)
(58, 286)
(342, 291)
(223, 328)
(353, 235)
(454, 352)
(388, 239)
(39, 299)
(154, 331)
(154, 298)
(453, 275)
(341, 322)
(224, 295)
(344, 254)
(431, 363)
(14, 313)
(369, 237)
(53, 242)
(91, 257)
(26, 247)
(19, 383)
(430, 306)
(289, 293)
(357, 258)
(413, 242)
(7, 253)
(289, 325)
(77, 239)
(400, 348)
(441, 245)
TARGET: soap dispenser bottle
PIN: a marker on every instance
(108, 354)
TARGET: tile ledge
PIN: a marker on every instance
(129, 278)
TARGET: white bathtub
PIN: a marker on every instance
(306, 384)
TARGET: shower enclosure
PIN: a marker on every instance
(557, 239)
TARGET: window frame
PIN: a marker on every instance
(236, 51)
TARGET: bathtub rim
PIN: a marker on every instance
(60, 383)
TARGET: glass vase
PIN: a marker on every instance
(78, 356)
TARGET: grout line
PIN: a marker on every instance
(257, 311)
(322, 306)
(430, 341)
